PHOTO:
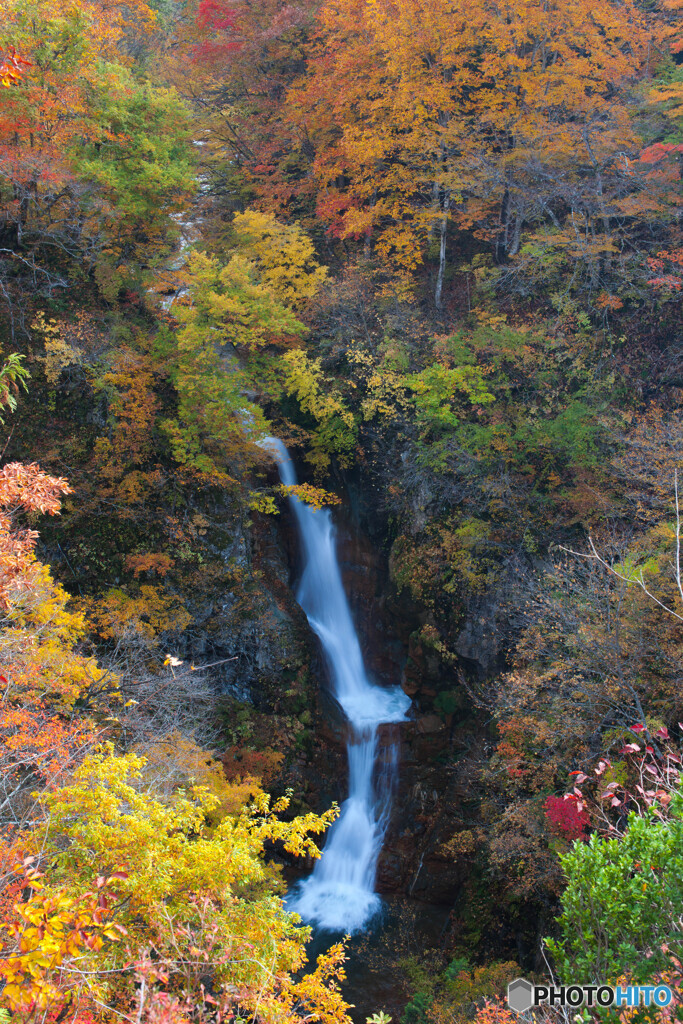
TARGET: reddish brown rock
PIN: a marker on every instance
(429, 724)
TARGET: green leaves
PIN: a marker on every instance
(436, 389)
(13, 375)
(230, 315)
(235, 305)
(622, 906)
(139, 155)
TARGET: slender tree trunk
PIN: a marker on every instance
(502, 242)
(516, 235)
(368, 233)
(502, 250)
(436, 205)
(438, 296)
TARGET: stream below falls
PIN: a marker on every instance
(339, 896)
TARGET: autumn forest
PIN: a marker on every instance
(396, 284)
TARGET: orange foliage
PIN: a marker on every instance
(124, 456)
(671, 260)
(47, 932)
(240, 763)
(139, 619)
(43, 674)
(36, 741)
(12, 68)
(149, 562)
(495, 1012)
(23, 488)
(421, 113)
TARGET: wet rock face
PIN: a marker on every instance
(250, 627)
(416, 860)
(364, 571)
(478, 640)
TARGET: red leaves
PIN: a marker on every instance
(50, 929)
(27, 488)
(646, 783)
(215, 14)
(659, 151)
(104, 880)
(566, 818)
(667, 281)
(610, 795)
(658, 263)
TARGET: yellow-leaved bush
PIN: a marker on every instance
(204, 922)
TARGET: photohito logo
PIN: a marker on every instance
(523, 995)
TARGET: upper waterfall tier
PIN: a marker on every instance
(321, 595)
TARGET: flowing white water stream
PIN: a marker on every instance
(340, 893)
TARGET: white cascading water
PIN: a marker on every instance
(340, 893)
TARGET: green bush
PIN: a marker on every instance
(622, 908)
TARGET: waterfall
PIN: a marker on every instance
(340, 893)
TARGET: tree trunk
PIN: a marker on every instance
(516, 236)
(502, 241)
(438, 295)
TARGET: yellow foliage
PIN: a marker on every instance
(313, 391)
(315, 497)
(240, 304)
(105, 810)
(58, 353)
(385, 389)
(263, 503)
(336, 432)
(39, 642)
(183, 882)
(283, 253)
(117, 614)
(49, 930)
(175, 761)
(306, 994)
